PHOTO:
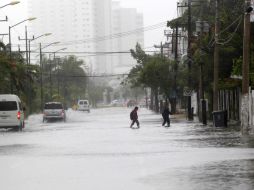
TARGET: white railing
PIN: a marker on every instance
(251, 108)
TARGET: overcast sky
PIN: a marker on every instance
(155, 11)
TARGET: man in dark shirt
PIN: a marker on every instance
(134, 117)
(165, 115)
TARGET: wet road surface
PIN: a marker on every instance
(98, 150)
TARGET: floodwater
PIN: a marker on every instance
(98, 150)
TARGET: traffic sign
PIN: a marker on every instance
(187, 91)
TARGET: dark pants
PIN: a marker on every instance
(166, 120)
(135, 121)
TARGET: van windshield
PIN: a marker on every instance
(53, 106)
(8, 106)
(83, 103)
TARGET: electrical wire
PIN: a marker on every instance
(231, 36)
(227, 40)
(109, 37)
(87, 76)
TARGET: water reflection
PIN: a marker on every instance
(232, 174)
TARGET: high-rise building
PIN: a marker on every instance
(127, 23)
(88, 26)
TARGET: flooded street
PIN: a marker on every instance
(98, 150)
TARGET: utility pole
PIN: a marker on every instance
(50, 76)
(26, 45)
(41, 82)
(216, 57)
(10, 52)
(175, 69)
(58, 83)
(156, 90)
(190, 114)
(27, 41)
(245, 71)
(57, 65)
(189, 108)
(201, 28)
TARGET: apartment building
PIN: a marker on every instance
(88, 26)
(128, 23)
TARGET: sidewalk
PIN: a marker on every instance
(177, 118)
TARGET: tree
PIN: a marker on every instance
(65, 77)
(16, 75)
(155, 72)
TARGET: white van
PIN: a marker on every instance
(83, 105)
(11, 112)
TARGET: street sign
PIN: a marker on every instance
(187, 91)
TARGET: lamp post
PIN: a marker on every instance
(50, 78)
(10, 27)
(41, 66)
(29, 44)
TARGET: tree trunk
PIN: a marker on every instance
(151, 98)
(173, 106)
(156, 100)
(172, 102)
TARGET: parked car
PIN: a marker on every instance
(142, 103)
(117, 103)
(83, 105)
(11, 112)
(131, 103)
(54, 111)
(114, 103)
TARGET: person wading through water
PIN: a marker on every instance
(165, 115)
(134, 117)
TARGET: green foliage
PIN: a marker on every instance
(157, 72)
(67, 77)
(237, 66)
(16, 74)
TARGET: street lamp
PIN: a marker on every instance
(33, 39)
(11, 3)
(10, 27)
(6, 18)
(41, 65)
(57, 73)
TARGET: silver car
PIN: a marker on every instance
(54, 111)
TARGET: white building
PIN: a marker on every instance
(75, 24)
(88, 26)
(124, 22)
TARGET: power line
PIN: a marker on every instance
(88, 76)
(88, 52)
(112, 36)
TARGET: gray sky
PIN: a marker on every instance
(155, 11)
